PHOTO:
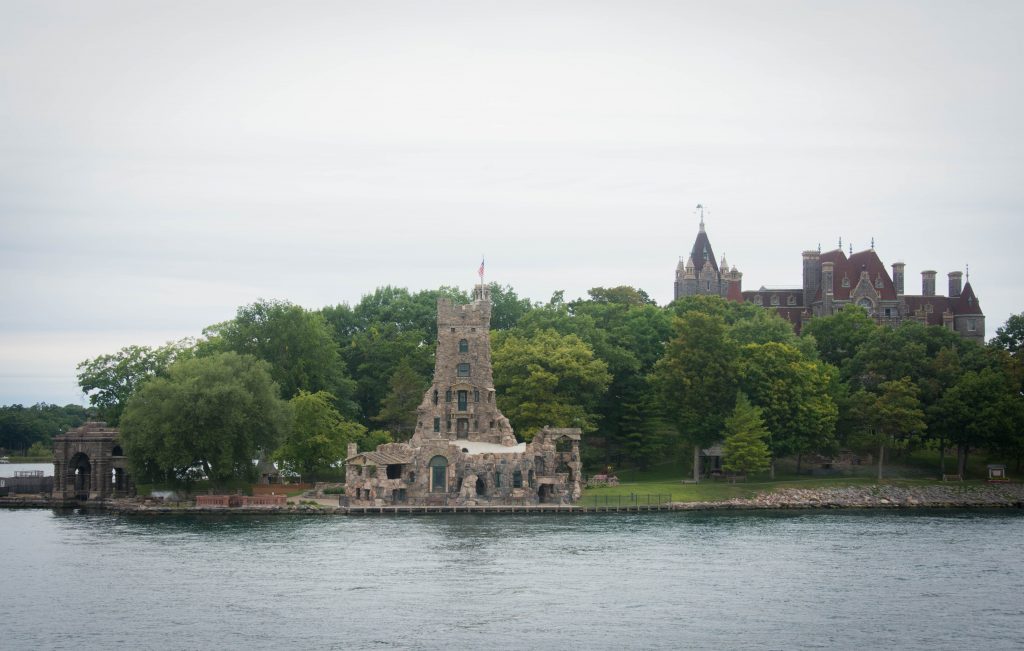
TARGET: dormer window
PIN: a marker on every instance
(791, 300)
(928, 308)
(878, 282)
(846, 281)
(463, 346)
(775, 300)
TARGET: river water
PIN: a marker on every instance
(796, 580)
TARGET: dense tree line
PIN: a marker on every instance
(31, 429)
(645, 383)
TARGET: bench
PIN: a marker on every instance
(952, 477)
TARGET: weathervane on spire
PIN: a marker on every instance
(872, 243)
(968, 272)
(700, 209)
(840, 242)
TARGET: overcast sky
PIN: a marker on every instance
(162, 163)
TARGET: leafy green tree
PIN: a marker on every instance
(1010, 336)
(890, 416)
(398, 409)
(23, 427)
(765, 326)
(729, 311)
(506, 307)
(983, 409)
(794, 394)
(840, 335)
(318, 436)
(627, 331)
(696, 379)
(39, 449)
(110, 380)
(298, 345)
(215, 412)
(744, 449)
(547, 379)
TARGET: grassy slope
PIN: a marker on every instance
(666, 479)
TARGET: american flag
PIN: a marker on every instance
(480, 272)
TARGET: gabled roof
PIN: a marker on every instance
(851, 268)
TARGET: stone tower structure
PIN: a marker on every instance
(89, 464)
(700, 275)
(460, 404)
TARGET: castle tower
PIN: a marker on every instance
(460, 404)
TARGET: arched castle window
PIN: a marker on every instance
(758, 300)
(775, 300)
(435, 396)
(439, 474)
(463, 346)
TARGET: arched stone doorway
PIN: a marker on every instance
(80, 472)
(439, 474)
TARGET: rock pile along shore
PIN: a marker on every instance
(875, 496)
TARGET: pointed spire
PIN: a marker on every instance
(872, 243)
(723, 265)
(969, 273)
(840, 242)
(851, 248)
(700, 209)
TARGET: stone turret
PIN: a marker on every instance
(897, 277)
(460, 404)
(928, 283)
(812, 275)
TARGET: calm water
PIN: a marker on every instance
(931, 580)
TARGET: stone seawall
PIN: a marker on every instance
(875, 496)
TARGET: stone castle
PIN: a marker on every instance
(463, 450)
(831, 281)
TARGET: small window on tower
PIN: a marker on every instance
(463, 346)
(972, 325)
(448, 395)
(463, 370)
(846, 281)
(435, 396)
(437, 424)
(476, 395)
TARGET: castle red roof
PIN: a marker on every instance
(851, 268)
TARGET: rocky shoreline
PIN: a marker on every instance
(875, 496)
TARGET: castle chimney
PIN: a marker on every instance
(353, 449)
(897, 277)
(955, 279)
(928, 283)
(812, 275)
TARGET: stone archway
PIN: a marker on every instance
(89, 464)
(80, 474)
